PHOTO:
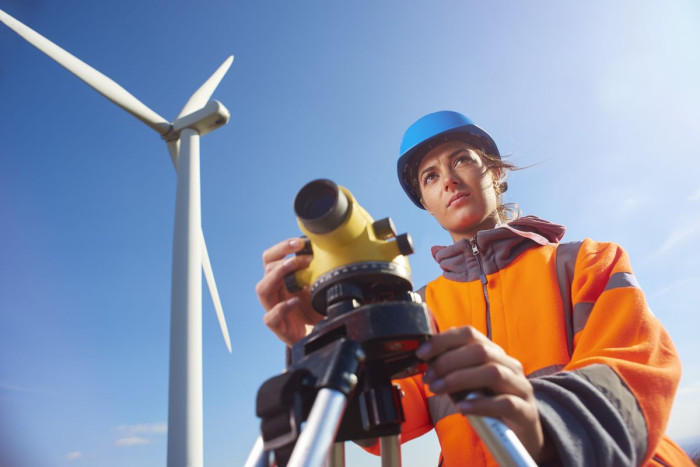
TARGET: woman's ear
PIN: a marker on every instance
(498, 184)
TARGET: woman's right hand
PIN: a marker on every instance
(289, 316)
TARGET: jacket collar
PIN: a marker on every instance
(496, 248)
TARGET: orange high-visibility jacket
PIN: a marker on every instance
(603, 368)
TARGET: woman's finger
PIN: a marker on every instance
(506, 406)
(452, 338)
(272, 265)
(278, 319)
(463, 356)
(279, 312)
(280, 250)
(489, 376)
(269, 287)
(471, 355)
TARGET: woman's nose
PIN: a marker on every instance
(450, 181)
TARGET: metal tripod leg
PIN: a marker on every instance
(391, 451)
(502, 443)
(258, 457)
(337, 457)
(316, 439)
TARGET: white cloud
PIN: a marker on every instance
(143, 428)
(631, 204)
(132, 441)
(12, 387)
(667, 289)
(131, 435)
(679, 235)
(74, 455)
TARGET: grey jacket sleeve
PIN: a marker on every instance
(591, 417)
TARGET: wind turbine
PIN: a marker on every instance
(198, 117)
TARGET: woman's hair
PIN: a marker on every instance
(506, 211)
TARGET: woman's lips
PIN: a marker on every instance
(457, 197)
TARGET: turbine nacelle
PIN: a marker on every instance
(208, 118)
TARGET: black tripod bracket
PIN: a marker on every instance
(284, 402)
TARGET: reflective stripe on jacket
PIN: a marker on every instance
(604, 369)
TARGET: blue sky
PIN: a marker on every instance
(600, 98)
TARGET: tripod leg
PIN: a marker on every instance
(337, 458)
(258, 457)
(391, 451)
(502, 443)
(315, 441)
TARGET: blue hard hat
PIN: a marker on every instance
(430, 131)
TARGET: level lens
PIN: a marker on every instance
(321, 206)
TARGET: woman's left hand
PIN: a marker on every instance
(464, 360)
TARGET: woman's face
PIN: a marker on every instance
(458, 189)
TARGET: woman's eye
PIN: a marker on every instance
(429, 178)
(464, 159)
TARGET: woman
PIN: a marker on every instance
(558, 336)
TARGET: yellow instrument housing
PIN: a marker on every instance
(353, 241)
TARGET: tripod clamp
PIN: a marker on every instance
(284, 401)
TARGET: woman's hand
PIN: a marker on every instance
(464, 360)
(289, 316)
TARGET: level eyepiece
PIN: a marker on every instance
(321, 206)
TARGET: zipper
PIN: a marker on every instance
(484, 281)
(658, 459)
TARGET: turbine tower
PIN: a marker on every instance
(198, 117)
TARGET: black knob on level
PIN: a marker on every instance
(405, 244)
(384, 228)
(342, 297)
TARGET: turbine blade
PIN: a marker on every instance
(92, 77)
(201, 96)
(209, 275)
(174, 149)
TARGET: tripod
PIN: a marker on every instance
(339, 387)
(326, 421)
